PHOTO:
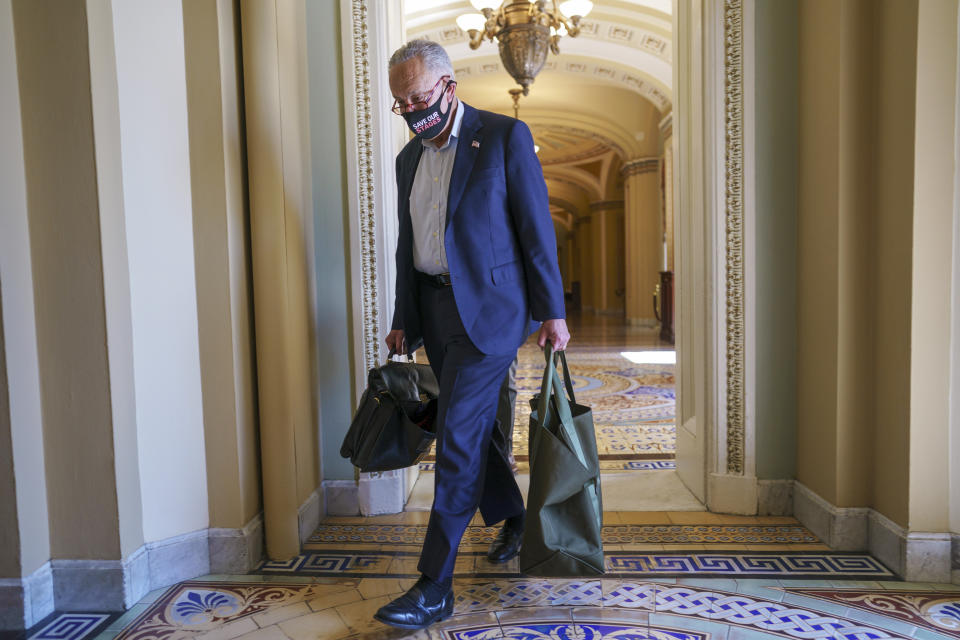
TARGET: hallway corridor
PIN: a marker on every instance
(633, 405)
(675, 572)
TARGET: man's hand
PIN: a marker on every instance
(556, 332)
(396, 342)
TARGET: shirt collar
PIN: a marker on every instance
(454, 130)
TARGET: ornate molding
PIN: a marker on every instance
(638, 166)
(733, 115)
(367, 214)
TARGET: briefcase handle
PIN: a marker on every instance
(393, 352)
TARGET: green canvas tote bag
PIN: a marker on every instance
(564, 507)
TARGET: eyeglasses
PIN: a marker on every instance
(423, 102)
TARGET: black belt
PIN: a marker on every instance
(438, 280)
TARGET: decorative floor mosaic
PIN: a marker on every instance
(935, 610)
(634, 407)
(398, 536)
(258, 608)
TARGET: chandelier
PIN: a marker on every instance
(525, 30)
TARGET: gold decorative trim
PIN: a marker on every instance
(365, 192)
(638, 166)
(733, 102)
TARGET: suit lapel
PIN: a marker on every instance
(466, 155)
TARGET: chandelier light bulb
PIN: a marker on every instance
(471, 21)
(572, 8)
(480, 5)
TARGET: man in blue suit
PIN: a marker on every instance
(477, 273)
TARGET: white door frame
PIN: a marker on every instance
(714, 192)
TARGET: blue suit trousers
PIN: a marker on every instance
(471, 471)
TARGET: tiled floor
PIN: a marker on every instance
(302, 608)
(671, 575)
(633, 405)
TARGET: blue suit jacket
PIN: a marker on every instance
(500, 242)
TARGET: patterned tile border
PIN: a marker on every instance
(935, 610)
(340, 536)
(70, 626)
(581, 630)
(833, 565)
(716, 606)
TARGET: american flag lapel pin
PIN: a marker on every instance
(475, 144)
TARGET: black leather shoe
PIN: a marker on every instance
(413, 610)
(506, 545)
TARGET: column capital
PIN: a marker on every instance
(639, 165)
(605, 205)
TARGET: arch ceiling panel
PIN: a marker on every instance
(574, 68)
(635, 33)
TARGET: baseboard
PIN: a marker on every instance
(116, 585)
(90, 585)
(309, 515)
(341, 498)
(842, 528)
(237, 550)
(732, 494)
(915, 556)
(927, 557)
(775, 497)
(955, 552)
(887, 541)
(25, 602)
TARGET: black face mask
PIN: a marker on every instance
(428, 123)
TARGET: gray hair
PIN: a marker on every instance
(433, 56)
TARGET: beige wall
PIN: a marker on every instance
(157, 202)
(220, 223)
(876, 208)
(24, 521)
(817, 237)
(853, 283)
(280, 205)
(102, 418)
(894, 165)
(58, 138)
(933, 204)
(116, 271)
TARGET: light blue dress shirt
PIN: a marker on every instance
(428, 201)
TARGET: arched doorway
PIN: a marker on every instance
(713, 426)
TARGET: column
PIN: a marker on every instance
(607, 258)
(668, 197)
(83, 324)
(584, 232)
(221, 237)
(24, 515)
(280, 208)
(644, 238)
